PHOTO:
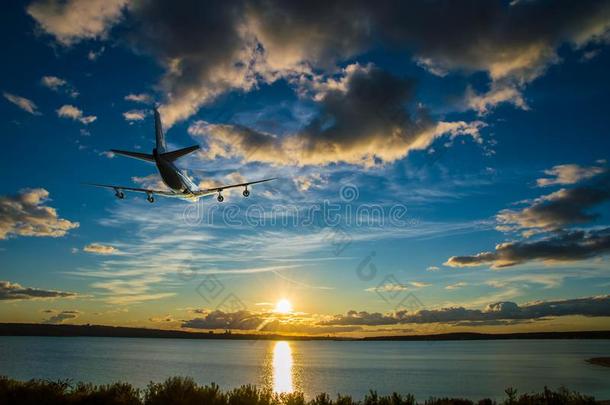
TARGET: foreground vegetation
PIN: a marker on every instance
(184, 391)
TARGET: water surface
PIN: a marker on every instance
(472, 369)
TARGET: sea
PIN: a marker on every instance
(467, 369)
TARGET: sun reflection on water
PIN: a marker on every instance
(282, 367)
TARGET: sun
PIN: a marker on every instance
(283, 306)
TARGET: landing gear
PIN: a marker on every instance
(119, 194)
(246, 193)
(220, 198)
(150, 198)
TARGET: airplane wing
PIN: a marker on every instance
(118, 189)
(218, 189)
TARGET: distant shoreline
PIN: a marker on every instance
(35, 329)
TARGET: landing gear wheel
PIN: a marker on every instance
(120, 195)
(150, 199)
(246, 193)
(220, 198)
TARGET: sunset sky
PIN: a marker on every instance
(442, 165)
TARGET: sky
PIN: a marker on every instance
(442, 165)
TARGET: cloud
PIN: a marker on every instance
(135, 115)
(552, 214)
(211, 48)
(60, 317)
(261, 322)
(568, 174)
(559, 209)
(389, 287)
(53, 82)
(483, 103)
(162, 319)
(432, 268)
(419, 284)
(99, 249)
(564, 246)
(72, 112)
(362, 121)
(456, 286)
(14, 291)
(241, 320)
(22, 102)
(244, 44)
(139, 98)
(503, 310)
(361, 318)
(72, 21)
(26, 215)
(93, 55)
(514, 44)
(57, 84)
(152, 181)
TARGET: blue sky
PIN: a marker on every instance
(476, 136)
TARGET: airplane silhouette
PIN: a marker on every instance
(181, 186)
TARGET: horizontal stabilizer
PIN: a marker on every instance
(171, 156)
(135, 155)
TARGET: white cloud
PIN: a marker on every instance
(26, 215)
(72, 112)
(139, 98)
(100, 249)
(456, 286)
(53, 82)
(58, 84)
(93, 55)
(134, 115)
(22, 102)
(73, 20)
(483, 103)
(568, 174)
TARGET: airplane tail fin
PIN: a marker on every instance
(135, 155)
(173, 155)
(159, 135)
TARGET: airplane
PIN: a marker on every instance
(181, 186)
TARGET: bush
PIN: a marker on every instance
(184, 391)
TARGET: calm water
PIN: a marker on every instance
(472, 369)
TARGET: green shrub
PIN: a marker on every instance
(184, 391)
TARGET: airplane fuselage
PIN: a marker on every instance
(172, 176)
(180, 184)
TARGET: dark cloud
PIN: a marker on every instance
(60, 317)
(559, 209)
(26, 215)
(14, 291)
(240, 320)
(501, 311)
(208, 48)
(245, 320)
(363, 120)
(362, 318)
(552, 215)
(564, 246)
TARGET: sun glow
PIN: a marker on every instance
(283, 306)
